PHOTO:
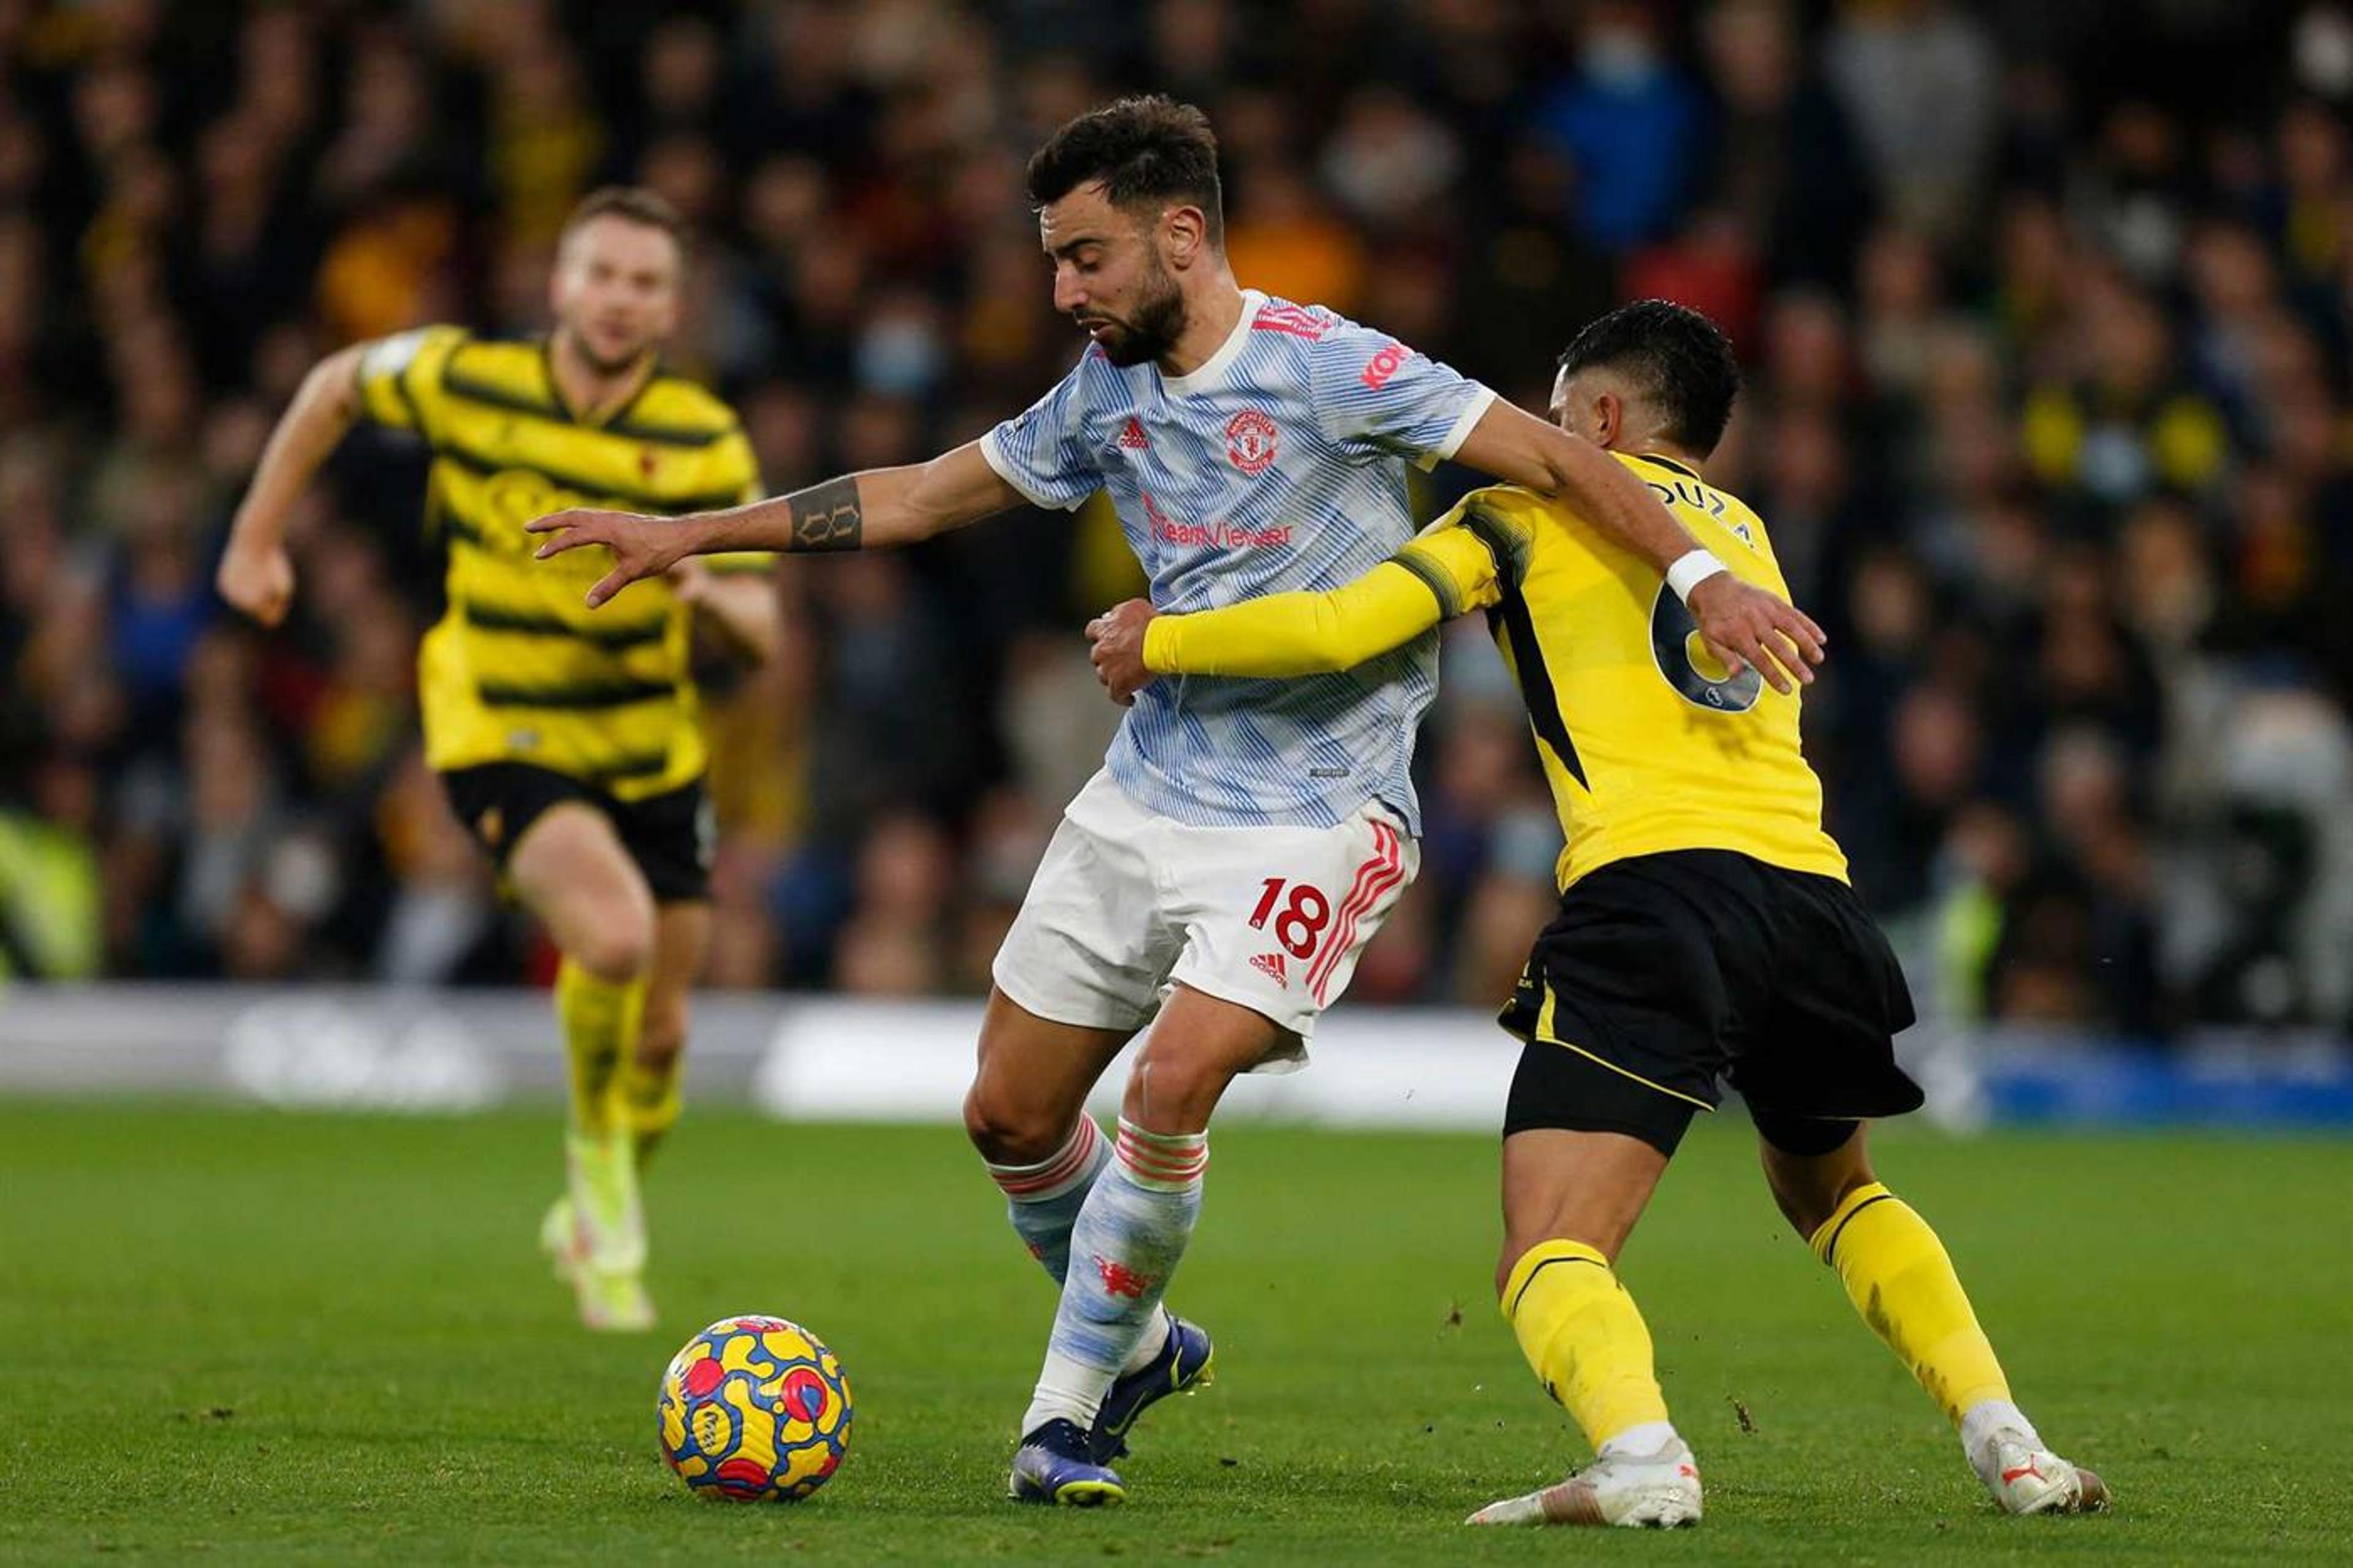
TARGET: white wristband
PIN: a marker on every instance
(1690, 570)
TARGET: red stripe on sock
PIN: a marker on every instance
(1074, 1158)
(1162, 1161)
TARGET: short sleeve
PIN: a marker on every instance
(400, 378)
(1043, 451)
(1374, 390)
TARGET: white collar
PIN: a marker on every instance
(1210, 369)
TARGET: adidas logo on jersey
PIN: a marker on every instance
(1133, 438)
(1271, 963)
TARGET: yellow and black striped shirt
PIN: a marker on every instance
(519, 669)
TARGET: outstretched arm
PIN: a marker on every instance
(1745, 624)
(1435, 578)
(878, 509)
(255, 576)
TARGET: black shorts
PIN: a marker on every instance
(1665, 973)
(669, 835)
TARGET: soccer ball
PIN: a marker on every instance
(754, 1408)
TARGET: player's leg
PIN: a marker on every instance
(569, 868)
(1079, 974)
(1584, 1148)
(1131, 1233)
(1026, 1114)
(648, 1090)
(672, 838)
(1273, 921)
(1902, 1283)
(1625, 1007)
(1821, 1062)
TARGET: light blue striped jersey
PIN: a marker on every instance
(1280, 464)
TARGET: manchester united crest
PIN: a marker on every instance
(1250, 442)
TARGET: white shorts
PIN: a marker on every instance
(1127, 903)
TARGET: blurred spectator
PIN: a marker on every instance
(1630, 122)
(2046, 410)
(1921, 82)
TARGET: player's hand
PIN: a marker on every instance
(1118, 652)
(256, 583)
(642, 547)
(1749, 626)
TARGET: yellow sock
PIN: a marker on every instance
(645, 1096)
(600, 1032)
(1899, 1278)
(1581, 1332)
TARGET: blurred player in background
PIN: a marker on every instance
(1706, 927)
(1221, 877)
(570, 745)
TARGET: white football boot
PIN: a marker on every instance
(1659, 1490)
(2027, 1478)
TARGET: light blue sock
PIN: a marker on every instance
(1043, 1200)
(1131, 1233)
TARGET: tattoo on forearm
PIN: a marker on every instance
(827, 517)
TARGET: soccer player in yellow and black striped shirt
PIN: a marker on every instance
(1706, 929)
(570, 743)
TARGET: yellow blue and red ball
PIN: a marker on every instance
(753, 1409)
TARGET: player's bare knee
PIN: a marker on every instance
(1005, 1132)
(618, 946)
(1174, 1089)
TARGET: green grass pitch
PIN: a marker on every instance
(241, 1336)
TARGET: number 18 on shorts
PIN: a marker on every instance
(1126, 903)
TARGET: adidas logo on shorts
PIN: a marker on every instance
(1271, 963)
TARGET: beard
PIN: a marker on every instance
(610, 368)
(1153, 330)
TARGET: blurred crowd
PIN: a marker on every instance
(2047, 328)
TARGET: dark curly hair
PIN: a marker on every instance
(1146, 150)
(1683, 360)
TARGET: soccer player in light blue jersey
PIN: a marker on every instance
(1220, 878)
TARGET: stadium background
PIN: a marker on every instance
(2046, 326)
(2045, 308)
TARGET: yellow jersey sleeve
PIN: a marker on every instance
(734, 467)
(1296, 634)
(1461, 563)
(400, 378)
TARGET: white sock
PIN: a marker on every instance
(1155, 1339)
(1129, 1238)
(1043, 1200)
(1981, 1421)
(1648, 1441)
